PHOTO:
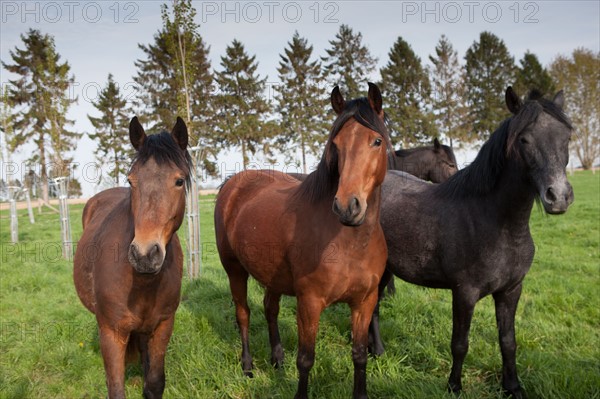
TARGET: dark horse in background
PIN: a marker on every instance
(319, 240)
(471, 233)
(434, 163)
(128, 264)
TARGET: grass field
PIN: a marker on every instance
(49, 343)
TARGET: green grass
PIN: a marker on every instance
(49, 344)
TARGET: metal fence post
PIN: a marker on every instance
(14, 220)
(62, 186)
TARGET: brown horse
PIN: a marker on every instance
(128, 263)
(319, 240)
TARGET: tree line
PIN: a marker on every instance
(225, 107)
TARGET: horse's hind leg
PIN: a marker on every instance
(376, 347)
(153, 350)
(506, 307)
(463, 303)
(271, 303)
(238, 283)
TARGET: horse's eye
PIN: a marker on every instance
(179, 182)
(377, 142)
(524, 140)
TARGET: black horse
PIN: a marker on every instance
(471, 233)
(435, 163)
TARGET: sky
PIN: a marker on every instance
(102, 37)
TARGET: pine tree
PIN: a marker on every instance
(301, 101)
(406, 89)
(348, 63)
(42, 89)
(240, 106)
(449, 92)
(489, 70)
(175, 78)
(579, 76)
(6, 124)
(111, 132)
(532, 75)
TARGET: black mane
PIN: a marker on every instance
(323, 182)
(163, 148)
(481, 176)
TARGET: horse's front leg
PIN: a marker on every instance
(361, 318)
(376, 347)
(307, 314)
(271, 303)
(463, 303)
(506, 307)
(113, 344)
(154, 359)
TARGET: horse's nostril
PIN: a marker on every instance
(154, 251)
(550, 195)
(355, 205)
(133, 252)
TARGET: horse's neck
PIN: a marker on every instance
(411, 161)
(514, 196)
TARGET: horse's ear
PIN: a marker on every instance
(180, 133)
(136, 133)
(436, 144)
(337, 100)
(513, 102)
(375, 99)
(559, 99)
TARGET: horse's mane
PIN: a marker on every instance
(323, 182)
(163, 148)
(481, 176)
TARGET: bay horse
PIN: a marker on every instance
(128, 264)
(318, 239)
(435, 163)
(471, 234)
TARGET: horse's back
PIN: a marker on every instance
(95, 213)
(101, 204)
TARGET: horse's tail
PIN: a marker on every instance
(132, 353)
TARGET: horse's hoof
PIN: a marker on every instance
(454, 388)
(517, 393)
(249, 374)
(375, 350)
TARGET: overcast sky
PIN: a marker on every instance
(102, 37)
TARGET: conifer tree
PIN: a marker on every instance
(348, 63)
(240, 106)
(301, 101)
(489, 70)
(405, 85)
(111, 129)
(448, 92)
(42, 92)
(532, 75)
(175, 78)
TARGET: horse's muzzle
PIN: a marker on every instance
(146, 259)
(556, 199)
(352, 214)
